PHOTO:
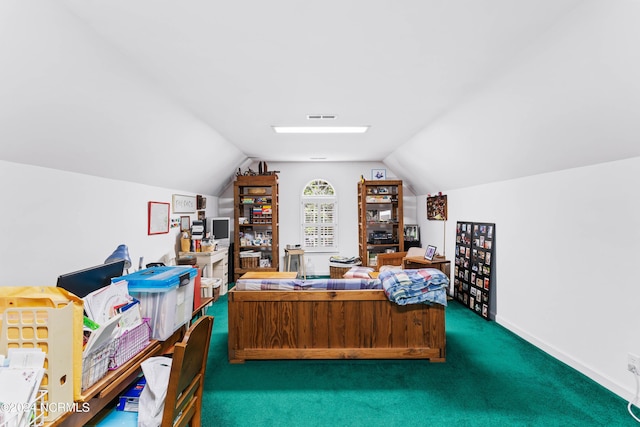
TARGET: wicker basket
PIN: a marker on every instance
(249, 262)
(337, 269)
(338, 272)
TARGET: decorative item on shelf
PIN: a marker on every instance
(197, 230)
(262, 170)
(378, 174)
(121, 253)
(185, 242)
(430, 253)
(201, 202)
(207, 245)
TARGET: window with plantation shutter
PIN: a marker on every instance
(320, 220)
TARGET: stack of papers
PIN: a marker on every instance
(101, 305)
(113, 310)
(20, 383)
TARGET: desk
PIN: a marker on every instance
(98, 397)
(213, 264)
(103, 392)
(202, 308)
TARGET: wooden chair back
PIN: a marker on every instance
(393, 258)
(183, 403)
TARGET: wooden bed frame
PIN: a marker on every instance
(320, 324)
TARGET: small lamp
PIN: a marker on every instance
(121, 253)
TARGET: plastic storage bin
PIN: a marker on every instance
(166, 297)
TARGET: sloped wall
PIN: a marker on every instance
(567, 100)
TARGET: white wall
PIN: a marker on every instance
(344, 176)
(54, 222)
(566, 251)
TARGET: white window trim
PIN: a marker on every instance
(319, 199)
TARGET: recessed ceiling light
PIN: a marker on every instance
(320, 129)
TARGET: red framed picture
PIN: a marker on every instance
(158, 218)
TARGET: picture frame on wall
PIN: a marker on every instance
(185, 223)
(437, 208)
(378, 174)
(158, 218)
(183, 204)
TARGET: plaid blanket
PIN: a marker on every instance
(299, 284)
(426, 285)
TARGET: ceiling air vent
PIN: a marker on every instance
(321, 117)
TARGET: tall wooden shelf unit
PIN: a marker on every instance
(256, 224)
(380, 219)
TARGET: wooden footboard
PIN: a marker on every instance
(358, 324)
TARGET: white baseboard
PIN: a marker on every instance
(606, 382)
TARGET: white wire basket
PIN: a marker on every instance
(95, 365)
(24, 415)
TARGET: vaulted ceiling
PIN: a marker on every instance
(144, 90)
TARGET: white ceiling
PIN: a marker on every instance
(215, 76)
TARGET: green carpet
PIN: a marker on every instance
(491, 378)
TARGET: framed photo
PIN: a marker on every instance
(430, 253)
(378, 174)
(437, 208)
(158, 218)
(185, 223)
(184, 204)
(201, 202)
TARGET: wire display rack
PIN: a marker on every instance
(129, 344)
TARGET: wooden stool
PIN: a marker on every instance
(300, 254)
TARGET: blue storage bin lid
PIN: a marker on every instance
(158, 279)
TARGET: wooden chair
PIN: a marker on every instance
(183, 403)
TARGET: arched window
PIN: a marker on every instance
(319, 217)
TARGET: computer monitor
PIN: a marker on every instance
(219, 229)
(82, 282)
